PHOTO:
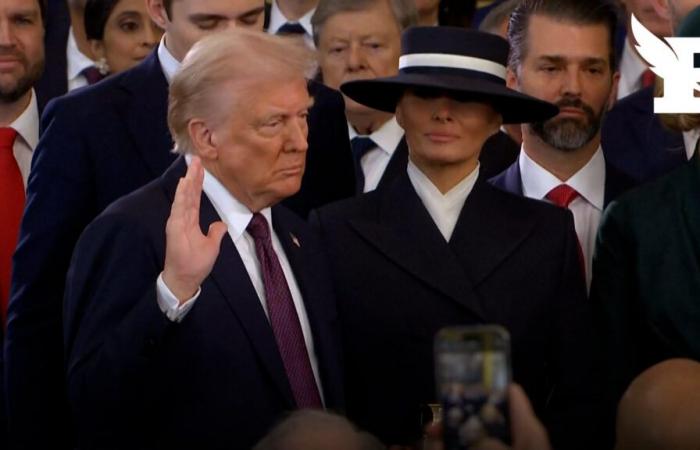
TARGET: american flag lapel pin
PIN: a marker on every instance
(295, 240)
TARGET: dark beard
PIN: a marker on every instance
(570, 134)
(10, 94)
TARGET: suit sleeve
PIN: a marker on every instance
(58, 197)
(617, 317)
(113, 328)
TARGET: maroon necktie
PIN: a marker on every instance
(648, 78)
(92, 74)
(563, 195)
(284, 319)
(12, 201)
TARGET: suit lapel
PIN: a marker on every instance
(405, 233)
(231, 278)
(145, 114)
(512, 180)
(397, 164)
(486, 233)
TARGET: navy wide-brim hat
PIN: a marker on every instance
(466, 64)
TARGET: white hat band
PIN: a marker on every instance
(452, 62)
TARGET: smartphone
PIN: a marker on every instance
(472, 365)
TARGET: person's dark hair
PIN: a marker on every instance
(96, 14)
(456, 13)
(577, 12)
(168, 5)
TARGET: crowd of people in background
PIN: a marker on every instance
(235, 224)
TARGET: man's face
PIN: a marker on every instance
(358, 45)
(645, 11)
(568, 65)
(191, 20)
(261, 147)
(443, 132)
(21, 47)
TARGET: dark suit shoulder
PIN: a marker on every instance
(651, 199)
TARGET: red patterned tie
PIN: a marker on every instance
(12, 201)
(648, 78)
(563, 195)
(284, 319)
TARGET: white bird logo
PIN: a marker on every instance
(674, 61)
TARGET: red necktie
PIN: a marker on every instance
(92, 74)
(12, 201)
(648, 78)
(283, 318)
(563, 195)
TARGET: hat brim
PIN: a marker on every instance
(384, 94)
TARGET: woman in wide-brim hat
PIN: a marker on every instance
(440, 246)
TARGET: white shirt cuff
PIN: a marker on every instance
(169, 304)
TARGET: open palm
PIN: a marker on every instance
(189, 253)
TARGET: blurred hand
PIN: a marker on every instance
(189, 254)
(527, 431)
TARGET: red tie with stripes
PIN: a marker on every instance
(12, 201)
(563, 195)
(284, 319)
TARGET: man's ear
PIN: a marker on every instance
(203, 140)
(511, 79)
(613, 91)
(157, 12)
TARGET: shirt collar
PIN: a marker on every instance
(277, 19)
(690, 140)
(235, 214)
(77, 61)
(631, 63)
(430, 194)
(168, 63)
(27, 124)
(589, 181)
(387, 137)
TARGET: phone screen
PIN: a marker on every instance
(473, 373)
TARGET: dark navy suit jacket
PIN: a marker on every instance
(616, 182)
(634, 140)
(510, 261)
(213, 381)
(98, 144)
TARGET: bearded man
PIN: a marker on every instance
(562, 51)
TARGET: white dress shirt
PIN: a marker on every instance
(27, 127)
(690, 140)
(168, 63)
(587, 208)
(277, 19)
(76, 62)
(632, 66)
(444, 209)
(236, 216)
(375, 161)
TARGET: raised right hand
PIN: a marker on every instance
(189, 254)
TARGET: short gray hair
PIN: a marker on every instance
(237, 59)
(404, 12)
(315, 430)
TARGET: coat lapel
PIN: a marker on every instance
(691, 202)
(231, 278)
(616, 183)
(406, 234)
(146, 112)
(487, 232)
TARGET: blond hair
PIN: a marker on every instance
(222, 70)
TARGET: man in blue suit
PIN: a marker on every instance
(99, 144)
(175, 339)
